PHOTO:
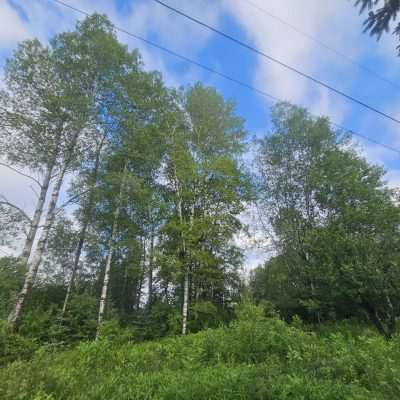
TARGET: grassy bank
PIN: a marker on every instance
(256, 358)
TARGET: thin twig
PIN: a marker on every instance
(34, 191)
(20, 173)
(20, 210)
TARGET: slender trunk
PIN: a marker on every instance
(186, 284)
(82, 233)
(376, 320)
(139, 291)
(166, 285)
(103, 298)
(111, 244)
(185, 305)
(26, 252)
(37, 258)
(123, 301)
(185, 302)
(140, 277)
(150, 276)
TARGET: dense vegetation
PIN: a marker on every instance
(144, 245)
(254, 358)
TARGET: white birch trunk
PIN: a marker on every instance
(185, 302)
(107, 270)
(82, 234)
(37, 258)
(150, 272)
(26, 252)
(185, 305)
(30, 239)
(185, 309)
(78, 252)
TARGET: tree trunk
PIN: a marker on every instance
(375, 319)
(26, 252)
(186, 284)
(37, 258)
(82, 234)
(106, 280)
(186, 278)
(150, 272)
(185, 302)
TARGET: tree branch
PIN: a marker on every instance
(71, 200)
(20, 210)
(34, 191)
(21, 173)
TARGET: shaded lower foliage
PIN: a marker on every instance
(254, 358)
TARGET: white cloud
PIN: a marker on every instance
(12, 28)
(173, 30)
(318, 20)
(393, 178)
(144, 18)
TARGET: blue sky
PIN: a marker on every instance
(336, 23)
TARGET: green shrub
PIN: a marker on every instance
(204, 315)
(111, 330)
(254, 358)
(11, 278)
(80, 320)
(44, 325)
(14, 347)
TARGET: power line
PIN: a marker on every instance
(322, 44)
(277, 61)
(224, 76)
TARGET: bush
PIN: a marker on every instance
(44, 325)
(111, 330)
(204, 315)
(80, 320)
(14, 347)
(11, 278)
(254, 358)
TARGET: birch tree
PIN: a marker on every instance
(111, 244)
(30, 121)
(83, 73)
(207, 190)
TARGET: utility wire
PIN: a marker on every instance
(322, 44)
(227, 77)
(277, 61)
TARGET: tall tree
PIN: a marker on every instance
(321, 200)
(136, 114)
(31, 120)
(208, 191)
(83, 72)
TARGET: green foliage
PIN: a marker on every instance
(335, 225)
(204, 315)
(11, 278)
(158, 320)
(43, 321)
(160, 187)
(255, 358)
(111, 330)
(80, 321)
(380, 15)
(43, 325)
(14, 347)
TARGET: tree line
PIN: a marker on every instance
(158, 184)
(154, 173)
